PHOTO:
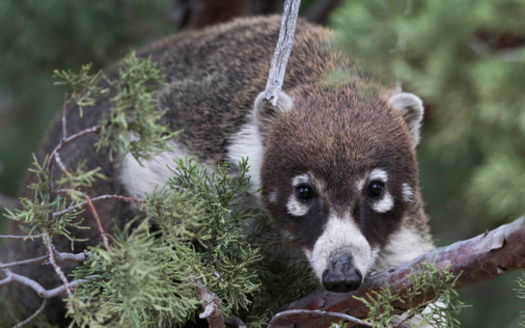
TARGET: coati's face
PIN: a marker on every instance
(339, 175)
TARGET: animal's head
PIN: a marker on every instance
(339, 174)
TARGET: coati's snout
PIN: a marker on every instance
(341, 275)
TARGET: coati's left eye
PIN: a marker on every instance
(375, 189)
(304, 192)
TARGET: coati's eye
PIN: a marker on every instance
(304, 192)
(375, 189)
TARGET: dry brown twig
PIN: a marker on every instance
(211, 304)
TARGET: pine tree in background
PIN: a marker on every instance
(37, 37)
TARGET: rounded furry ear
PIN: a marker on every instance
(265, 113)
(412, 109)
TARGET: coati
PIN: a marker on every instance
(335, 161)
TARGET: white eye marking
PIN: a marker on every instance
(274, 196)
(341, 236)
(385, 204)
(407, 192)
(378, 174)
(295, 207)
(297, 180)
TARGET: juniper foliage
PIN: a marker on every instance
(423, 278)
(203, 224)
(132, 125)
(196, 227)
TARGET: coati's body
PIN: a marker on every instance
(336, 163)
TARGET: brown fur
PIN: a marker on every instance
(214, 76)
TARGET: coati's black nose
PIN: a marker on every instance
(341, 276)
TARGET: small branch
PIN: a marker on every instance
(478, 259)
(59, 257)
(58, 270)
(37, 312)
(282, 319)
(94, 199)
(22, 262)
(58, 159)
(282, 51)
(99, 224)
(211, 304)
(65, 141)
(64, 111)
(70, 257)
(19, 237)
(61, 289)
(41, 291)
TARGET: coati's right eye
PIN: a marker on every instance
(375, 189)
(304, 192)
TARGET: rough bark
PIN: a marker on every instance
(475, 260)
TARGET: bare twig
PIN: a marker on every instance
(41, 291)
(99, 224)
(59, 257)
(65, 141)
(478, 259)
(61, 289)
(70, 257)
(58, 159)
(37, 312)
(58, 270)
(282, 51)
(64, 111)
(19, 237)
(211, 304)
(22, 262)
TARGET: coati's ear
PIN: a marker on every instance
(265, 113)
(412, 108)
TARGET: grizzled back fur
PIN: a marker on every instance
(337, 165)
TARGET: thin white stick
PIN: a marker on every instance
(282, 51)
(37, 312)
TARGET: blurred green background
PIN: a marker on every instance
(464, 58)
